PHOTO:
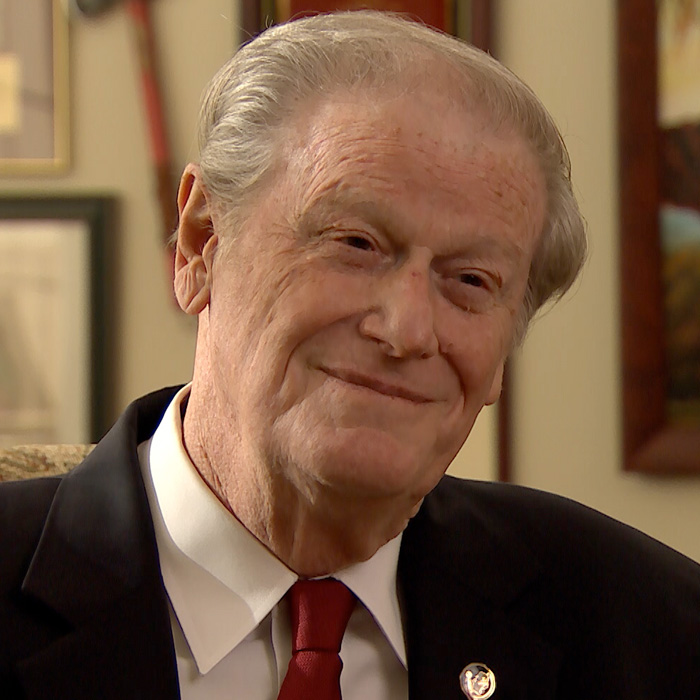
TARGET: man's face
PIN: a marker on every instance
(361, 317)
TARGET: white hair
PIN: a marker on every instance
(256, 92)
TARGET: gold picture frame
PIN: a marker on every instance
(34, 127)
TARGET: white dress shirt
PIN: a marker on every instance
(229, 618)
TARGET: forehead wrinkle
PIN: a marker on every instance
(422, 157)
(331, 176)
(494, 173)
(350, 178)
(384, 148)
(464, 243)
(358, 195)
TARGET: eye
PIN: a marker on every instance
(358, 242)
(474, 290)
(472, 280)
(352, 246)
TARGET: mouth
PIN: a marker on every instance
(376, 384)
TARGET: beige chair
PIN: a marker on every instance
(29, 461)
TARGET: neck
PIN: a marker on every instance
(315, 530)
(330, 534)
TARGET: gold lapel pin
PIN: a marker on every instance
(477, 681)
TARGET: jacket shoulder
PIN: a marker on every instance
(608, 596)
(24, 506)
(78, 557)
(556, 530)
(545, 519)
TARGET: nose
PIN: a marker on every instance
(402, 318)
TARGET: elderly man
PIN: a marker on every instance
(377, 213)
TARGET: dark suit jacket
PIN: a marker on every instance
(559, 601)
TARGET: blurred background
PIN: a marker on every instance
(566, 381)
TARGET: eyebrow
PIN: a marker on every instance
(340, 194)
(353, 201)
(483, 244)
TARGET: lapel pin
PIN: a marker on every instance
(477, 681)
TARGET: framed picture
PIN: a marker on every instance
(468, 19)
(54, 286)
(659, 133)
(33, 86)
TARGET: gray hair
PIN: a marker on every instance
(251, 98)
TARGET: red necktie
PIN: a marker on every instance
(320, 612)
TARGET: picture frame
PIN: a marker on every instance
(55, 318)
(34, 97)
(467, 19)
(654, 441)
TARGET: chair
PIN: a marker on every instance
(29, 461)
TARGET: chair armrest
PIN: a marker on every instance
(31, 461)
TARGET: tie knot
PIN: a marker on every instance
(320, 611)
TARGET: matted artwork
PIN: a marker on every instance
(34, 129)
(52, 306)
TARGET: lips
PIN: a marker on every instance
(381, 386)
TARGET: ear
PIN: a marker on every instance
(496, 386)
(196, 243)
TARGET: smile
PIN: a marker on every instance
(375, 384)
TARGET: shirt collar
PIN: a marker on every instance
(374, 583)
(220, 579)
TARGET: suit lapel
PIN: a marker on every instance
(96, 566)
(461, 575)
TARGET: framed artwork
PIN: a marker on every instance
(468, 19)
(659, 134)
(54, 286)
(33, 86)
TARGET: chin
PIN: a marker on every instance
(368, 463)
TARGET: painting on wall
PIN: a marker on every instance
(438, 13)
(678, 32)
(659, 55)
(52, 310)
(468, 19)
(33, 86)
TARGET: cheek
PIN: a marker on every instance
(279, 335)
(318, 298)
(476, 346)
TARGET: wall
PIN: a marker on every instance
(110, 156)
(566, 395)
(567, 391)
